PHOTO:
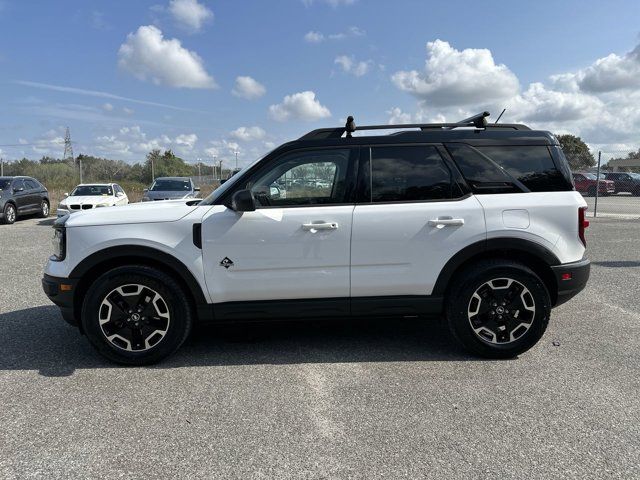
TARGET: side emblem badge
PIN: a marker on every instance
(226, 263)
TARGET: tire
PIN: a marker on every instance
(111, 325)
(591, 191)
(470, 317)
(44, 209)
(10, 214)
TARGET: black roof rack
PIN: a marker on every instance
(478, 121)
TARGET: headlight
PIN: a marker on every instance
(58, 243)
(103, 205)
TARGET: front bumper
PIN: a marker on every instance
(61, 291)
(571, 278)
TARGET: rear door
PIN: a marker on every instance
(415, 216)
(33, 194)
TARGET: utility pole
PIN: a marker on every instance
(199, 173)
(220, 168)
(68, 147)
(80, 166)
(595, 207)
(213, 167)
(1, 167)
(236, 152)
(153, 173)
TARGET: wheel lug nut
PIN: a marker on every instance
(499, 317)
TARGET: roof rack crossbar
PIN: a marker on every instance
(477, 121)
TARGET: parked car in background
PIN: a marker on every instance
(625, 182)
(92, 195)
(586, 183)
(170, 188)
(22, 196)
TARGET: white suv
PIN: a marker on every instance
(478, 222)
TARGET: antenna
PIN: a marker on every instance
(68, 148)
(500, 116)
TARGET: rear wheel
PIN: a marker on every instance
(136, 315)
(498, 308)
(10, 214)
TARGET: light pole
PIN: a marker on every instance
(213, 167)
(199, 172)
(236, 152)
(1, 167)
(220, 169)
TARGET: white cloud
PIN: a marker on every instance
(247, 134)
(107, 107)
(128, 111)
(333, 3)
(352, 66)
(190, 14)
(299, 106)
(314, 37)
(319, 37)
(612, 73)
(454, 77)
(148, 56)
(249, 88)
(600, 103)
(186, 141)
(133, 143)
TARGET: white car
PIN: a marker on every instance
(478, 222)
(87, 196)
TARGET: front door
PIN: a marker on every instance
(296, 244)
(416, 218)
(21, 196)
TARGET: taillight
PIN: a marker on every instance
(582, 224)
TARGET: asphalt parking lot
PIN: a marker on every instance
(620, 205)
(373, 399)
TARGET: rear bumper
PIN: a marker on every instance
(61, 291)
(571, 278)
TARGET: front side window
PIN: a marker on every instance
(17, 184)
(409, 173)
(311, 177)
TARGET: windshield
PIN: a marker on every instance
(635, 175)
(82, 190)
(4, 184)
(590, 176)
(171, 186)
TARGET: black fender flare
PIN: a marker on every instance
(487, 247)
(150, 255)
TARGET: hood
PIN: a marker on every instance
(147, 212)
(167, 195)
(88, 199)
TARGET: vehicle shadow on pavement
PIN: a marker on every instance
(38, 339)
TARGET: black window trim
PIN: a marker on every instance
(351, 175)
(365, 158)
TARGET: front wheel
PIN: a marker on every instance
(136, 315)
(10, 214)
(498, 308)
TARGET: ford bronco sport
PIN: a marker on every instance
(478, 222)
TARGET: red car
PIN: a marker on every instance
(586, 184)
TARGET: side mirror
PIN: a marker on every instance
(222, 180)
(66, 194)
(196, 189)
(242, 201)
(145, 190)
(274, 192)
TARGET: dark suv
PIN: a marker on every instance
(22, 196)
(625, 182)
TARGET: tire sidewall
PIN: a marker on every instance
(458, 316)
(173, 295)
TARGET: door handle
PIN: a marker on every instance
(313, 227)
(446, 221)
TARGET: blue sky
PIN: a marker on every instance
(127, 76)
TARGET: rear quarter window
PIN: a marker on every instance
(531, 165)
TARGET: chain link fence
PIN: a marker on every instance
(609, 182)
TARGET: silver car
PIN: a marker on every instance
(170, 188)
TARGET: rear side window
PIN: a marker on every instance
(31, 185)
(482, 174)
(411, 173)
(531, 165)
